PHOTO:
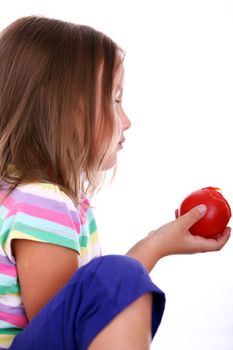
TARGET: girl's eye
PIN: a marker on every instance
(117, 101)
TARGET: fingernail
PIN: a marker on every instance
(202, 208)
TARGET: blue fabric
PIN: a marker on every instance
(95, 294)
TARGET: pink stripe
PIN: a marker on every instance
(8, 202)
(19, 321)
(8, 270)
(45, 214)
(86, 204)
(83, 211)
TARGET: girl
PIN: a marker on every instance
(61, 127)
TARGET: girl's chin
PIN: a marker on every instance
(111, 162)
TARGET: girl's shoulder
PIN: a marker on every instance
(41, 193)
(44, 190)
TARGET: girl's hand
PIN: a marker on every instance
(175, 238)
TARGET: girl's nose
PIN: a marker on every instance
(126, 123)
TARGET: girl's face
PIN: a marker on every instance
(122, 121)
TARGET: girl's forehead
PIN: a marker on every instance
(119, 76)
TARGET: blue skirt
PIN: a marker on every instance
(95, 294)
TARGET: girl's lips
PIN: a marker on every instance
(121, 141)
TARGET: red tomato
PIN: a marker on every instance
(218, 211)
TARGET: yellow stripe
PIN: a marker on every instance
(21, 235)
(6, 339)
(94, 238)
(46, 185)
(55, 188)
(84, 251)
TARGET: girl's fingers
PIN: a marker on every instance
(221, 240)
(193, 216)
(214, 244)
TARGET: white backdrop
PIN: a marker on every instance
(178, 94)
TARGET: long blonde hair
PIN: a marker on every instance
(49, 128)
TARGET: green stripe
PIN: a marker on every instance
(10, 331)
(92, 226)
(9, 289)
(46, 236)
(5, 228)
(83, 241)
(3, 237)
(4, 234)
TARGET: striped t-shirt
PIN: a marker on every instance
(39, 212)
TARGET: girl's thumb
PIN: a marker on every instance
(194, 215)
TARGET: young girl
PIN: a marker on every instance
(61, 127)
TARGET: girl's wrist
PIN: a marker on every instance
(147, 251)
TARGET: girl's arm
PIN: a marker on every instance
(174, 238)
(43, 270)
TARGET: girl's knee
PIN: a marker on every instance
(116, 275)
(110, 268)
(122, 265)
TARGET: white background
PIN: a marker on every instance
(179, 96)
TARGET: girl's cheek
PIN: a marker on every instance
(118, 127)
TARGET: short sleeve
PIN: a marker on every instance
(40, 212)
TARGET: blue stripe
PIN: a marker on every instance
(6, 280)
(43, 224)
(3, 211)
